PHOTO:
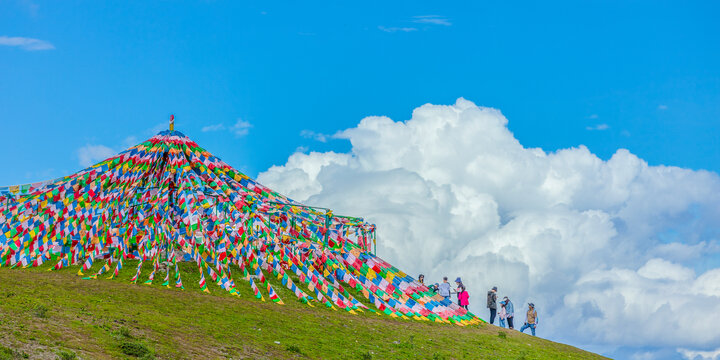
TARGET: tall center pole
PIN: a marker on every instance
(328, 216)
(172, 122)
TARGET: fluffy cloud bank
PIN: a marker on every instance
(619, 256)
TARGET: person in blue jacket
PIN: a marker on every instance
(510, 310)
(444, 288)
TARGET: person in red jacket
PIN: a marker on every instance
(463, 296)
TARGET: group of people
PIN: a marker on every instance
(505, 313)
(444, 289)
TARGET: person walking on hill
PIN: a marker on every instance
(502, 314)
(492, 303)
(510, 310)
(531, 319)
(444, 288)
(462, 294)
(421, 279)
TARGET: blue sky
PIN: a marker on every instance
(254, 82)
(645, 74)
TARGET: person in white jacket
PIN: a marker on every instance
(502, 314)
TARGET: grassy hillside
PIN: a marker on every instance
(55, 314)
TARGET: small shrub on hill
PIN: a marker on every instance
(41, 311)
(66, 355)
(136, 349)
(123, 333)
(5, 353)
(293, 348)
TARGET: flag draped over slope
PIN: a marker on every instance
(168, 200)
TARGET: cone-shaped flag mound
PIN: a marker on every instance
(168, 200)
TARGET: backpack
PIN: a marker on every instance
(491, 300)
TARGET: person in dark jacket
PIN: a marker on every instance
(492, 303)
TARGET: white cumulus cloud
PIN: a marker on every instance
(700, 355)
(309, 134)
(92, 154)
(432, 19)
(241, 128)
(396, 29)
(598, 127)
(591, 242)
(215, 127)
(25, 43)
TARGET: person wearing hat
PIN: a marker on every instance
(462, 294)
(492, 303)
(434, 287)
(510, 310)
(502, 313)
(531, 319)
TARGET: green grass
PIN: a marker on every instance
(57, 315)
